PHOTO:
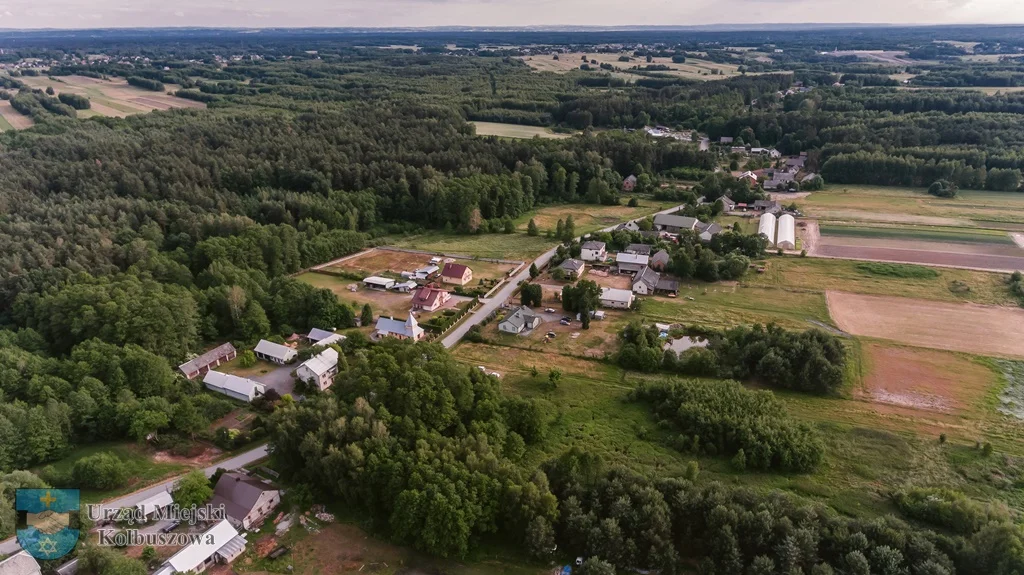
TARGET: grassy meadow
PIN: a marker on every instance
(515, 131)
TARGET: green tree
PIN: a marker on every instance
(366, 317)
(554, 376)
(99, 471)
(146, 422)
(187, 418)
(534, 272)
(192, 490)
(247, 359)
(595, 565)
(569, 231)
(531, 228)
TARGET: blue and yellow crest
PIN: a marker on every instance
(47, 521)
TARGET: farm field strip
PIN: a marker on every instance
(924, 257)
(14, 118)
(515, 131)
(115, 97)
(932, 234)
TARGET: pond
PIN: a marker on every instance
(682, 344)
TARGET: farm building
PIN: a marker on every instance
(157, 503)
(218, 544)
(319, 369)
(667, 286)
(20, 563)
(378, 283)
(646, 281)
(708, 231)
(239, 388)
(629, 226)
(274, 352)
(641, 249)
(767, 206)
(727, 204)
(674, 224)
(404, 287)
(521, 319)
(457, 274)
(573, 268)
(659, 260)
(630, 263)
(391, 327)
(616, 298)
(593, 251)
(766, 228)
(316, 334)
(247, 501)
(425, 272)
(787, 233)
(209, 360)
(430, 298)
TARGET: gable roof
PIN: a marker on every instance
(322, 362)
(572, 265)
(219, 352)
(333, 338)
(624, 258)
(639, 249)
(767, 204)
(453, 270)
(666, 284)
(647, 276)
(616, 295)
(427, 296)
(660, 257)
(275, 350)
(238, 493)
(377, 280)
(684, 222)
(317, 334)
(212, 540)
(151, 504)
(20, 563)
(520, 316)
(407, 328)
(727, 201)
(593, 245)
(227, 382)
(711, 228)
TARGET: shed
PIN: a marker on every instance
(616, 298)
(274, 352)
(240, 388)
(218, 544)
(207, 361)
(378, 283)
(156, 503)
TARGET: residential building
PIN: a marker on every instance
(274, 352)
(378, 283)
(316, 335)
(457, 274)
(780, 180)
(218, 544)
(727, 204)
(391, 327)
(659, 261)
(240, 388)
(155, 504)
(749, 176)
(193, 368)
(573, 268)
(629, 184)
(645, 281)
(767, 206)
(593, 251)
(674, 224)
(642, 249)
(21, 563)
(616, 298)
(630, 226)
(630, 263)
(404, 287)
(430, 298)
(519, 320)
(247, 501)
(708, 231)
(320, 369)
(798, 162)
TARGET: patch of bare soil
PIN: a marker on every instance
(809, 234)
(204, 457)
(923, 379)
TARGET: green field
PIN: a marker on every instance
(717, 305)
(142, 470)
(5, 125)
(858, 203)
(515, 130)
(921, 233)
(501, 246)
(587, 217)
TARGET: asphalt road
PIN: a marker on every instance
(10, 546)
(495, 301)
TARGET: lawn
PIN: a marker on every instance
(515, 131)
(517, 246)
(587, 217)
(971, 208)
(726, 305)
(391, 263)
(142, 469)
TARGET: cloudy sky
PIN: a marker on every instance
(288, 13)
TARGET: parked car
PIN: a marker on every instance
(549, 310)
(565, 322)
(170, 527)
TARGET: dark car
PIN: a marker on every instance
(170, 527)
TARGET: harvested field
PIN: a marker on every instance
(971, 328)
(693, 68)
(924, 379)
(16, 119)
(857, 203)
(114, 97)
(515, 131)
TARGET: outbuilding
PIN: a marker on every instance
(210, 360)
(378, 283)
(218, 544)
(630, 263)
(787, 233)
(616, 298)
(274, 352)
(766, 227)
(240, 388)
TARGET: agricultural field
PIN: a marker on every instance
(391, 263)
(517, 246)
(693, 68)
(11, 119)
(112, 97)
(515, 131)
(857, 203)
(587, 217)
(728, 304)
(971, 328)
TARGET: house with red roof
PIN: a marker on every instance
(458, 274)
(429, 298)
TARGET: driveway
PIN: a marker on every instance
(279, 379)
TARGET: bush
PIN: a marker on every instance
(74, 100)
(247, 359)
(99, 471)
(906, 271)
(146, 83)
(947, 509)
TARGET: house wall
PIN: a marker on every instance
(508, 327)
(264, 506)
(271, 359)
(641, 288)
(593, 255)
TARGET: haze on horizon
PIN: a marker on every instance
(417, 13)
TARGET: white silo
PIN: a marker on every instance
(787, 232)
(767, 228)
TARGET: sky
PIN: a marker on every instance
(387, 13)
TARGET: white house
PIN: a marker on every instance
(247, 501)
(646, 281)
(218, 544)
(616, 298)
(239, 388)
(521, 319)
(159, 502)
(593, 251)
(274, 352)
(319, 369)
(20, 563)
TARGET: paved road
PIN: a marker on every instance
(495, 301)
(11, 546)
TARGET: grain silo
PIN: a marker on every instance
(767, 228)
(787, 233)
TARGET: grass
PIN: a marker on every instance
(500, 246)
(587, 217)
(897, 270)
(5, 125)
(719, 305)
(932, 234)
(142, 470)
(971, 208)
(515, 131)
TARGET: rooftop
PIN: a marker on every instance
(322, 362)
(616, 295)
(276, 350)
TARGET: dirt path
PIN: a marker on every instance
(810, 234)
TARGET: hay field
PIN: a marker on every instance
(587, 217)
(971, 208)
(13, 119)
(114, 97)
(515, 131)
(693, 68)
(970, 328)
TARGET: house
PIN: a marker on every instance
(218, 544)
(667, 286)
(404, 287)
(725, 140)
(391, 327)
(629, 184)
(521, 319)
(780, 180)
(645, 281)
(456, 274)
(738, 150)
(20, 563)
(240, 388)
(630, 263)
(767, 206)
(774, 154)
(630, 226)
(808, 177)
(642, 249)
(616, 298)
(319, 369)
(674, 224)
(247, 501)
(593, 251)
(727, 204)
(316, 335)
(378, 283)
(708, 231)
(659, 261)
(426, 272)
(573, 268)
(749, 176)
(209, 360)
(274, 352)
(797, 162)
(430, 298)
(156, 504)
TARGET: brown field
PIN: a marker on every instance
(379, 261)
(113, 97)
(990, 262)
(16, 119)
(923, 379)
(971, 328)
(611, 280)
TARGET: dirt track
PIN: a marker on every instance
(971, 328)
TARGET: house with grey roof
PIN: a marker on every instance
(212, 359)
(667, 286)
(659, 261)
(573, 268)
(320, 369)
(233, 386)
(645, 281)
(642, 249)
(630, 263)
(316, 334)
(274, 352)
(593, 251)
(521, 319)
(616, 298)
(247, 501)
(708, 231)
(767, 206)
(219, 544)
(674, 224)
(391, 327)
(728, 204)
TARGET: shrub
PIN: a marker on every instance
(99, 471)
